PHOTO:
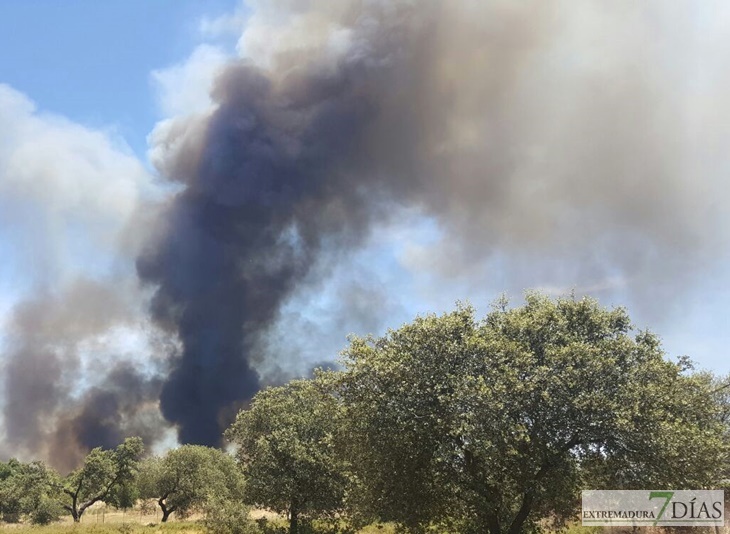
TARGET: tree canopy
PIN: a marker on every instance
(103, 471)
(493, 424)
(449, 423)
(284, 443)
(189, 477)
(28, 489)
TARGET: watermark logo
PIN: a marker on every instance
(662, 508)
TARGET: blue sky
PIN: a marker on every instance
(91, 61)
(84, 84)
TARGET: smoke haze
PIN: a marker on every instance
(472, 146)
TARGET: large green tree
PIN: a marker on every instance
(491, 425)
(102, 473)
(189, 478)
(284, 444)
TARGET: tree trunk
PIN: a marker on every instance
(74, 508)
(165, 510)
(293, 519)
(493, 524)
(76, 512)
(523, 513)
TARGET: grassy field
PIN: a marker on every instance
(118, 523)
(173, 527)
(102, 520)
(189, 527)
(134, 523)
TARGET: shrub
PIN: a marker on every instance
(229, 517)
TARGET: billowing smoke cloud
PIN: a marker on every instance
(263, 195)
(73, 325)
(49, 411)
(463, 147)
(553, 140)
(124, 404)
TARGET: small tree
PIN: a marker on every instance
(101, 474)
(10, 505)
(285, 446)
(189, 478)
(124, 496)
(492, 425)
(27, 490)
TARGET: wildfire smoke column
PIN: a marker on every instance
(275, 177)
(547, 151)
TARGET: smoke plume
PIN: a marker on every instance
(467, 146)
(76, 372)
(490, 117)
(48, 411)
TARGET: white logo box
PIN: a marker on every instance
(661, 508)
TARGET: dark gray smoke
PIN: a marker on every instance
(70, 308)
(482, 115)
(555, 145)
(278, 176)
(43, 415)
(270, 189)
(123, 404)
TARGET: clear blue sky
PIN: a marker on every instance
(91, 60)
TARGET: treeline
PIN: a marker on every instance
(449, 423)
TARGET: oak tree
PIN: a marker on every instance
(188, 478)
(28, 490)
(285, 445)
(491, 425)
(101, 473)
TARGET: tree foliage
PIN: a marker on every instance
(494, 424)
(285, 446)
(28, 490)
(101, 477)
(229, 516)
(449, 423)
(190, 478)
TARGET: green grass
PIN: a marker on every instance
(109, 528)
(177, 527)
(577, 528)
(193, 527)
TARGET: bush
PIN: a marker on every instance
(229, 517)
(47, 511)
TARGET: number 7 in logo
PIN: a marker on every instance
(661, 495)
